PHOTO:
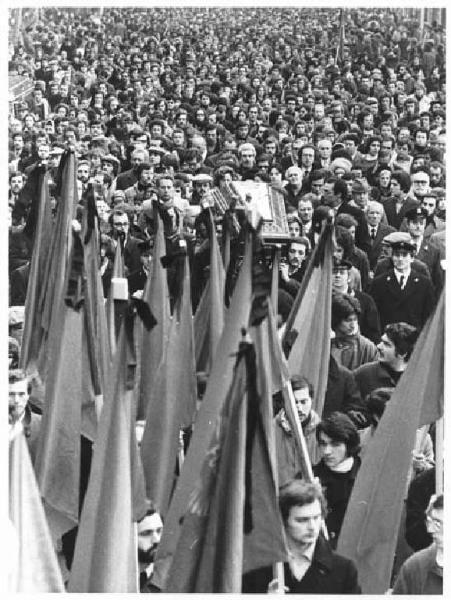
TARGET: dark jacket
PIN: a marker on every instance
(359, 260)
(126, 179)
(420, 491)
(342, 393)
(430, 256)
(412, 305)
(395, 219)
(338, 488)
(376, 244)
(329, 573)
(369, 321)
(385, 264)
(371, 376)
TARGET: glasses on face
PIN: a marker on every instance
(420, 181)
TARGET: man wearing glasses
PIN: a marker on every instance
(420, 185)
(422, 573)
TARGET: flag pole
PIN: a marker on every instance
(439, 432)
(295, 422)
(275, 277)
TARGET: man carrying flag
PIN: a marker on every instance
(312, 567)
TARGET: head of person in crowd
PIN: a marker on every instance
(338, 440)
(303, 392)
(247, 155)
(201, 187)
(307, 157)
(317, 182)
(16, 183)
(345, 315)
(360, 194)
(294, 177)
(19, 389)
(399, 185)
(150, 530)
(341, 270)
(429, 204)
(302, 507)
(402, 255)
(297, 251)
(344, 244)
(374, 213)
(396, 345)
(348, 222)
(305, 209)
(437, 174)
(420, 183)
(120, 222)
(13, 353)
(416, 222)
(434, 524)
(294, 225)
(138, 156)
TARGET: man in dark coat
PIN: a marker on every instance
(401, 294)
(339, 445)
(385, 263)
(120, 224)
(377, 231)
(312, 567)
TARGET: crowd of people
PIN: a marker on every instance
(342, 113)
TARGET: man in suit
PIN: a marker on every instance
(377, 230)
(424, 250)
(402, 295)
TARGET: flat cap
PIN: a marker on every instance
(396, 237)
(202, 178)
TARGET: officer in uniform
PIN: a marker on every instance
(401, 294)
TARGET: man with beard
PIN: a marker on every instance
(144, 188)
(292, 270)
(150, 530)
(120, 224)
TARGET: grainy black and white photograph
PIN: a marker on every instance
(226, 298)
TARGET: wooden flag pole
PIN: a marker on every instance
(275, 278)
(439, 432)
(306, 465)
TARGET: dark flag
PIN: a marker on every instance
(41, 215)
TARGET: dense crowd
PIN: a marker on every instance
(342, 113)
